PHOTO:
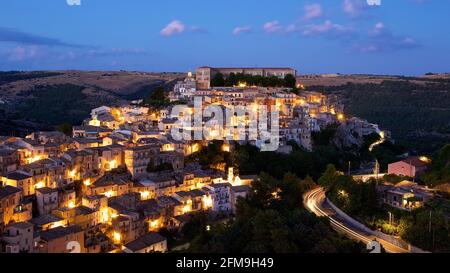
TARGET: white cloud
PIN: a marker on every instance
(381, 39)
(327, 28)
(173, 28)
(22, 53)
(313, 11)
(242, 30)
(354, 8)
(272, 27)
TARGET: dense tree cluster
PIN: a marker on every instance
(219, 80)
(13, 76)
(157, 99)
(439, 172)
(271, 220)
(54, 104)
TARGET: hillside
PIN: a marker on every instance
(36, 100)
(416, 110)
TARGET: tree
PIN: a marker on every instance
(290, 81)
(329, 177)
(65, 128)
(157, 98)
(231, 80)
(218, 80)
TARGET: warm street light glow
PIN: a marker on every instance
(109, 194)
(112, 165)
(343, 193)
(207, 202)
(39, 185)
(145, 195)
(71, 204)
(117, 238)
(425, 159)
(341, 117)
(94, 122)
(376, 143)
(34, 159)
(154, 225)
(226, 148)
(72, 174)
(195, 148)
(87, 182)
(104, 215)
(188, 207)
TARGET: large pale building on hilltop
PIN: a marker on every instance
(204, 74)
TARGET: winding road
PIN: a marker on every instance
(316, 202)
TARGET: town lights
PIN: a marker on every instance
(109, 194)
(343, 194)
(73, 174)
(34, 159)
(94, 122)
(226, 148)
(39, 185)
(112, 165)
(104, 214)
(195, 148)
(114, 215)
(71, 204)
(145, 195)
(425, 159)
(242, 84)
(207, 202)
(117, 238)
(341, 117)
(154, 225)
(188, 207)
(87, 182)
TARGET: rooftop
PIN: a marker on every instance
(59, 232)
(145, 241)
(8, 190)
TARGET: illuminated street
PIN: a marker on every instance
(315, 202)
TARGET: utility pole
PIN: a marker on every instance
(429, 225)
(349, 168)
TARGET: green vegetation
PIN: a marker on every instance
(357, 199)
(211, 156)
(270, 220)
(13, 76)
(439, 172)
(157, 99)
(235, 79)
(417, 113)
(55, 104)
(427, 227)
(395, 179)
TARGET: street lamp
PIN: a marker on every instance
(391, 218)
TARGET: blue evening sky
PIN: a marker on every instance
(314, 36)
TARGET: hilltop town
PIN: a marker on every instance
(119, 178)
